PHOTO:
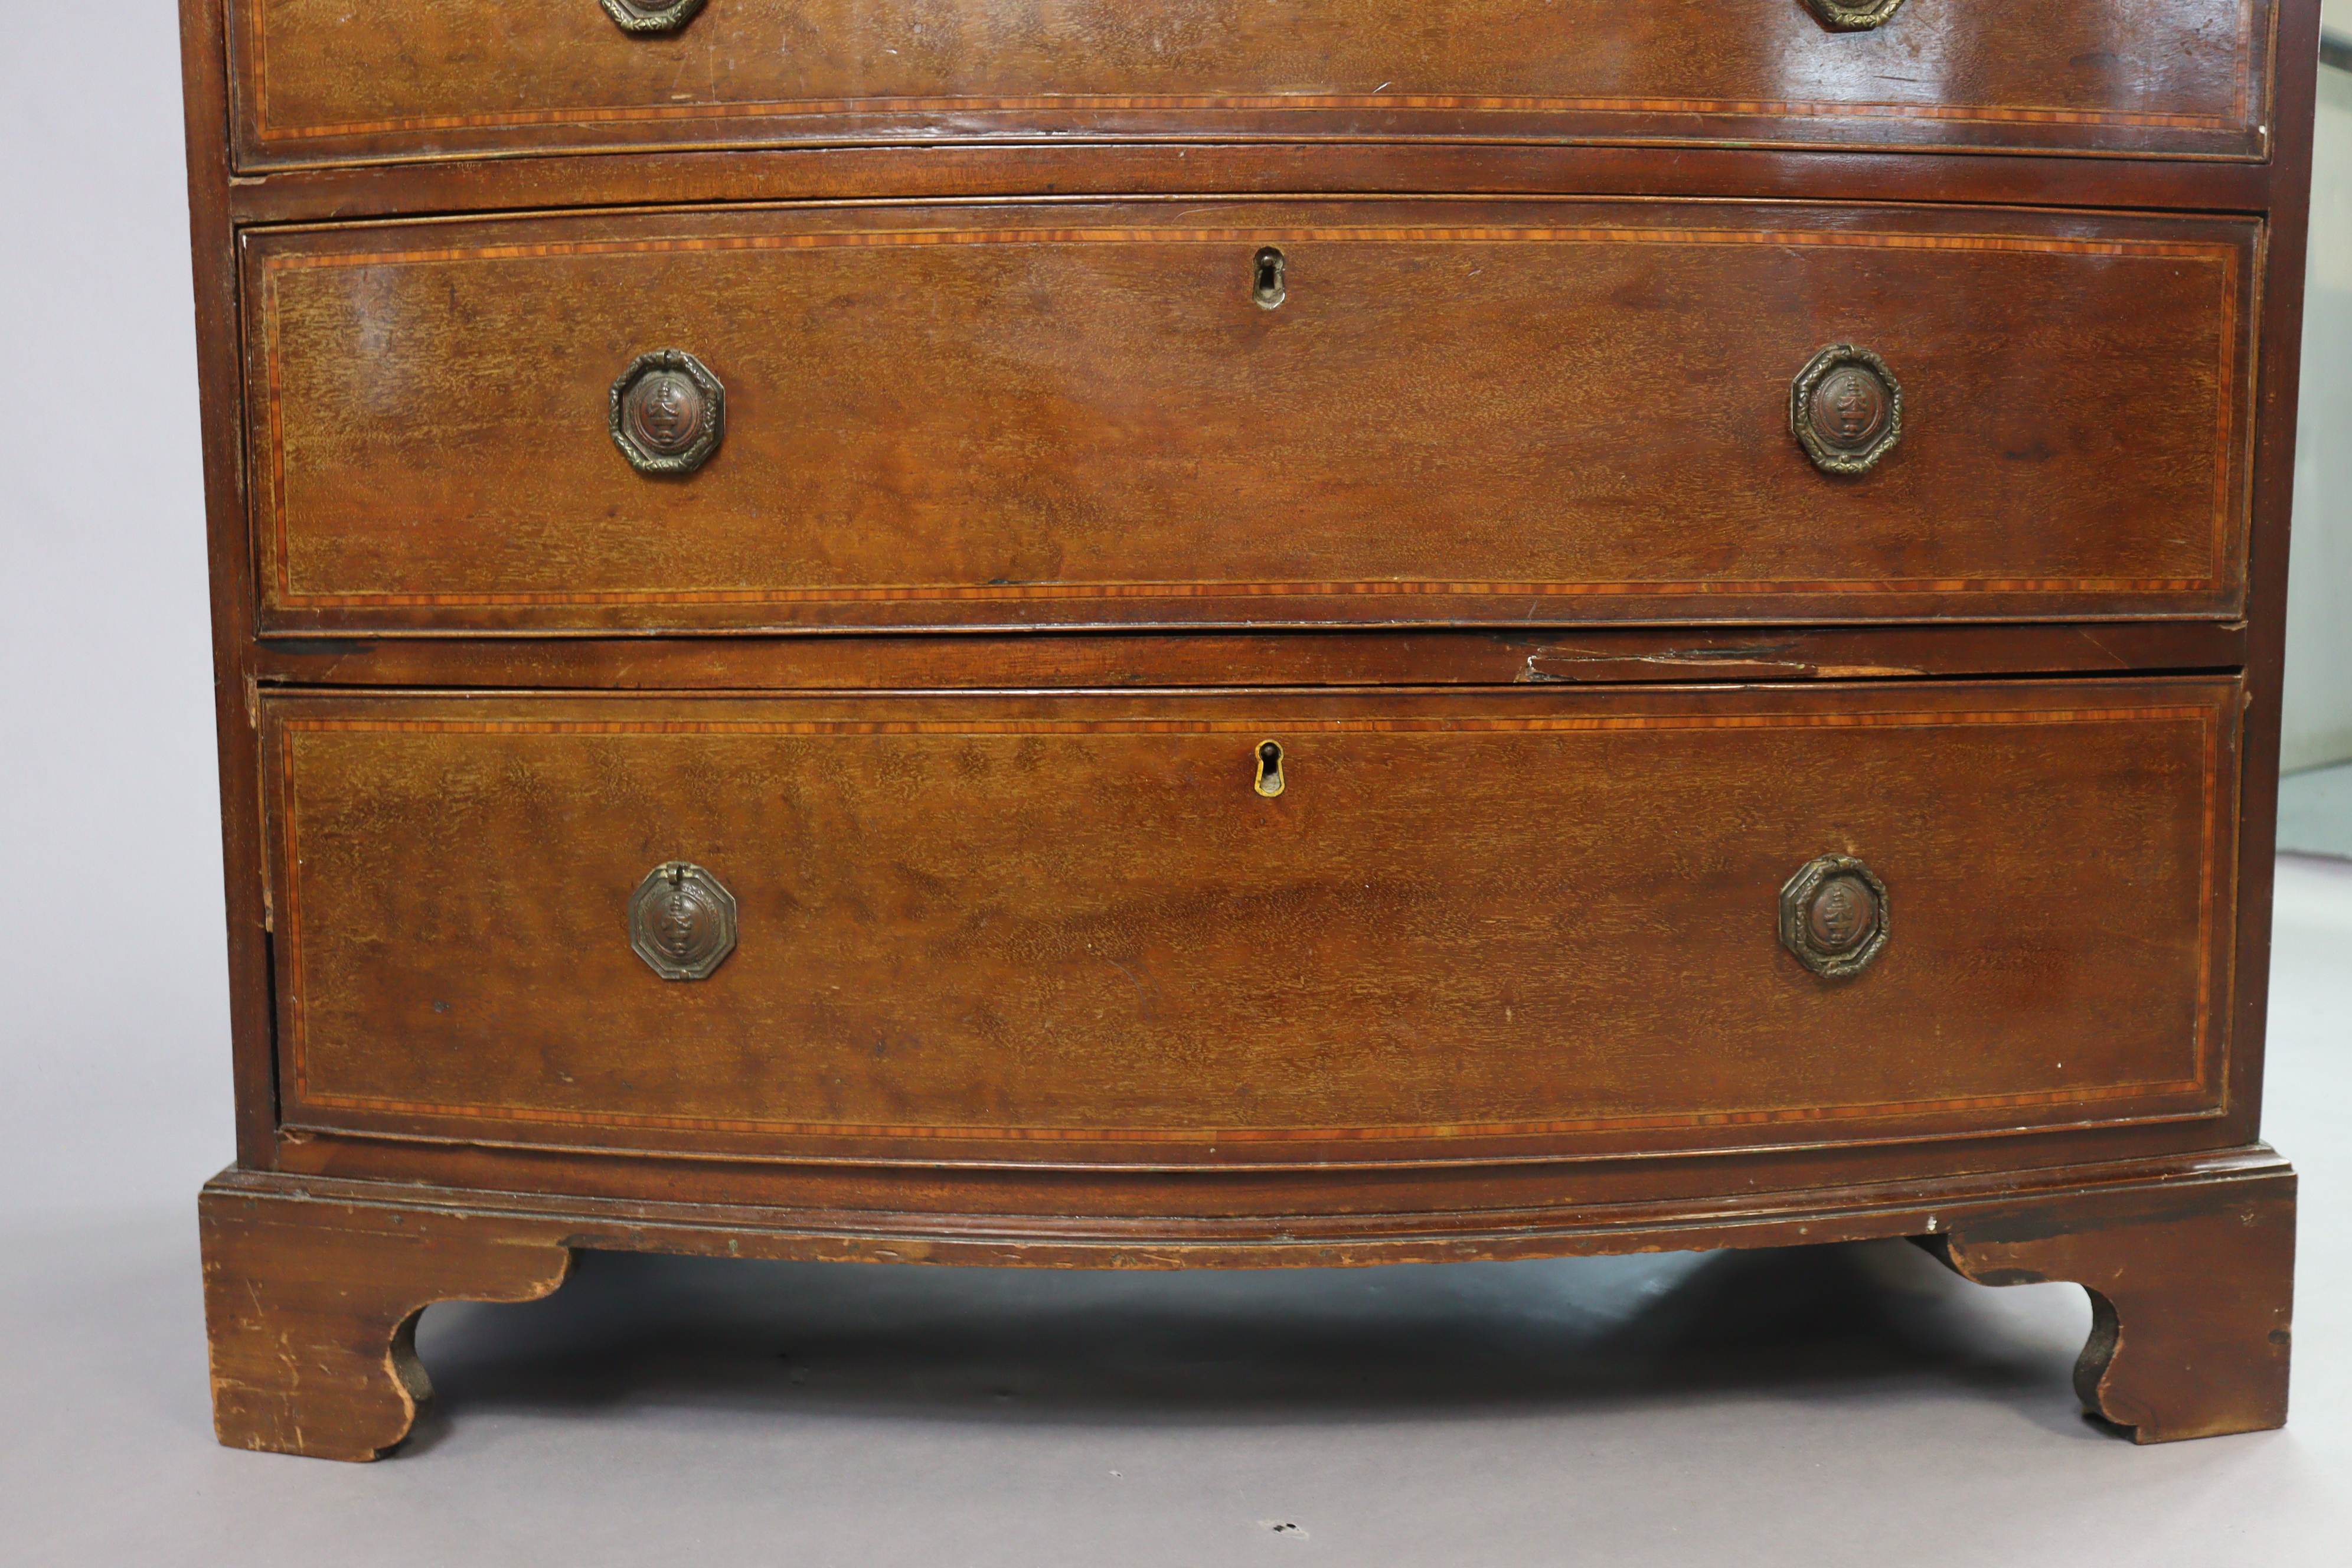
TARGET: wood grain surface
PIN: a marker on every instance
(1584, 656)
(2192, 1297)
(1028, 973)
(312, 1323)
(1073, 413)
(313, 1283)
(546, 179)
(317, 80)
(1065, 928)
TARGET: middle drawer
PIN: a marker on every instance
(1064, 414)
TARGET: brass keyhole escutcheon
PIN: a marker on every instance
(1269, 769)
(1266, 286)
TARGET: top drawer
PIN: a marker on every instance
(325, 81)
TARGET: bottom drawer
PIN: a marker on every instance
(1121, 929)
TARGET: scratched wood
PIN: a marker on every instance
(2192, 1296)
(681, 176)
(312, 1322)
(933, 660)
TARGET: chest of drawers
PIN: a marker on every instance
(1224, 635)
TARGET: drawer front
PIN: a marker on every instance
(325, 81)
(1044, 413)
(1086, 928)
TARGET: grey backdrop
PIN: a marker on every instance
(1838, 1406)
(116, 997)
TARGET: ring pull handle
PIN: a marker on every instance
(1846, 408)
(682, 920)
(651, 15)
(1833, 916)
(669, 412)
(1837, 15)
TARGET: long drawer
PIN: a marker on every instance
(1053, 414)
(327, 81)
(1253, 928)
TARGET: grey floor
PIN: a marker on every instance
(2314, 814)
(1833, 1405)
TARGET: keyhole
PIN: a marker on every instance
(1267, 289)
(1269, 769)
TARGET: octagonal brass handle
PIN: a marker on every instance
(669, 412)
(1838, 16)
(682, 920)
(651, 15)
(1846, 408)
(1833, 916)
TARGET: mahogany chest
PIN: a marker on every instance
(1241, 633)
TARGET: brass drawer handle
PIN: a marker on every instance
(1846, 408)
(669, 412)
(1837, 15)
(1833, 916)
(651, 15)
(682, 920)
